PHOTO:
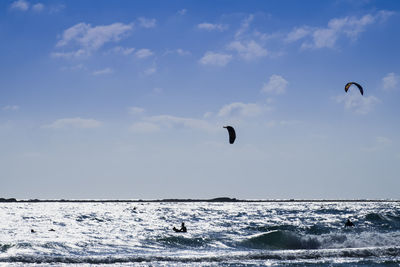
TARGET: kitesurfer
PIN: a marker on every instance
(183, 228)
(349, 223)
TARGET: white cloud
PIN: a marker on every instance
(123, 50)
(21, 5)
(383, 15)
(182, 12)
(217, 59)
(92, 38)
(267, 36)
(276, 85)
(56, 8)
(390, 81)
(70, 55)
(182, 52)
(143, 53)
(240, 109)
(74, 123)
(297, 34)
(358, 103)
(103, 71)
(248, 50)
(207, 115)
(144, 127)
(10, 108)
(147, 23)
(135, 110)
(244, 26)
(212, 27)
(349, 27)
(38, 7)
(179, 51)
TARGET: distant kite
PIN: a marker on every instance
(232, 134)
(346, 88)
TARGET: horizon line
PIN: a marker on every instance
(218, 199)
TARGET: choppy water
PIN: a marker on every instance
(223, 234)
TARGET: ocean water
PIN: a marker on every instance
(219, 234)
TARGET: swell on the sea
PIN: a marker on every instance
(325, 254)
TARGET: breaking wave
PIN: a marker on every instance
(326, 254)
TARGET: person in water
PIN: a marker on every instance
(183, 228)
(349, 223)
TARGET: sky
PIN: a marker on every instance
(128, 99)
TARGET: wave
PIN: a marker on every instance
(5, 247)
(268, 228)
(316, 229)
(180, 241)
(388, 220)
(92, 217)
(277, 239)
(388, 253)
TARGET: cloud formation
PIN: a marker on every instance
(10, 108)
(90, 38)
(212, 27)
(102, 71)
(390, 81)
(216, 59)
(143, 53)
(77, 122)
(356, 102)
(123, 50)
(349, 27)
(70, 55)
(182, 12)
(276, 85)
(244, 26)
(20, 5)
(147, 23)
(248, 49)
(38, 7)
(240, 109)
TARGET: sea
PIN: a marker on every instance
(269, 233)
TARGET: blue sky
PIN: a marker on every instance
(127, 99)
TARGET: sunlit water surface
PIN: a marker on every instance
(219, 234)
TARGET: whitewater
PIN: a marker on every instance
(287, 233)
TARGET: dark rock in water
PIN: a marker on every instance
(8, 200)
